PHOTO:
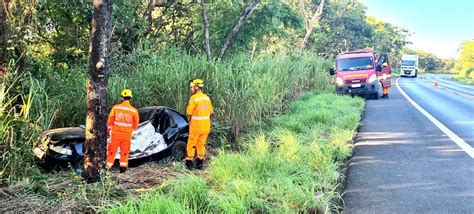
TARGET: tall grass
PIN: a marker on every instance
(244, 92)
(239, 88)
(22, 118)
(290, 167)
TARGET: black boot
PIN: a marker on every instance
(189, 164)
(199, 164)
(123, 169)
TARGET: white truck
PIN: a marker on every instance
(409, 65)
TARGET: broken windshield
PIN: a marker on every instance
(354, 64)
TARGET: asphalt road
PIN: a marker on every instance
(403, 163)
(445, 81)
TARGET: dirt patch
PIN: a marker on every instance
(66, 192)
(146, 177)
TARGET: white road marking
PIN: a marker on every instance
(455, 138)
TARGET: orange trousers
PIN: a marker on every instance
(114, 144)
(386, 90)
(196, 142)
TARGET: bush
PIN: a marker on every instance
(470, 71)
(467, 73)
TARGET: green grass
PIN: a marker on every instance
(289, 167)
(244, 93)
(465, 80)
(288, 164)
(239, 88)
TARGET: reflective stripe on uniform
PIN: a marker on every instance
(200, 118)
(125, 108)
(201, 99)
(123, 124)
(123, 164)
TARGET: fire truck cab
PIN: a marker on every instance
(361, 73)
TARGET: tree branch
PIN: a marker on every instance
(246, 13)
(310, 24)
(207, 47)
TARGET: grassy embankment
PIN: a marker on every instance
(244, 92)
(466, 76)
(290, 166)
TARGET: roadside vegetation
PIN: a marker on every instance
(291, 166)
(465, 64)
(253, 75)
(239, 88)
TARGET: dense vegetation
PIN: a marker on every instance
(465, 64)
(157, 46)
(290, 167)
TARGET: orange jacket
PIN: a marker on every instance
(200, 109)
(123, 119)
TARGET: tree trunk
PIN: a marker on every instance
(310, 24)
(207, 47)
(229, 40)
(4, 30)
(96, 103)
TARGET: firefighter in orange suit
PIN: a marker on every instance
(386, 88)
(199, 109)
(123, 120)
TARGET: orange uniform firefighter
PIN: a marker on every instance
(200, 109)
(386, 88)
(123, 120)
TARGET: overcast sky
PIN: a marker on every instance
(437, 26)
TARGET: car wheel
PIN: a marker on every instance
(178, 151)
(376, 95)
(79, 166)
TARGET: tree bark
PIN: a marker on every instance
(207, 46)
(229, 40)
(4, 30)
(310, 23)
(96, 103)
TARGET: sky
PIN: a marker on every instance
(436, 26)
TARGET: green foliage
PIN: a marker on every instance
(22, 118)
(343, 27)
(52, 97)
(280, 170)
(429, 62)
(190, 191)
(58, 31)
(465, 63)
(151, 203)
(162, 80)
(388, 38)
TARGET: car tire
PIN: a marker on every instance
(416, 74)
(376, 95)
(178, 150)
(79, 166)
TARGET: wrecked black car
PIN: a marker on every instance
(162, 132)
